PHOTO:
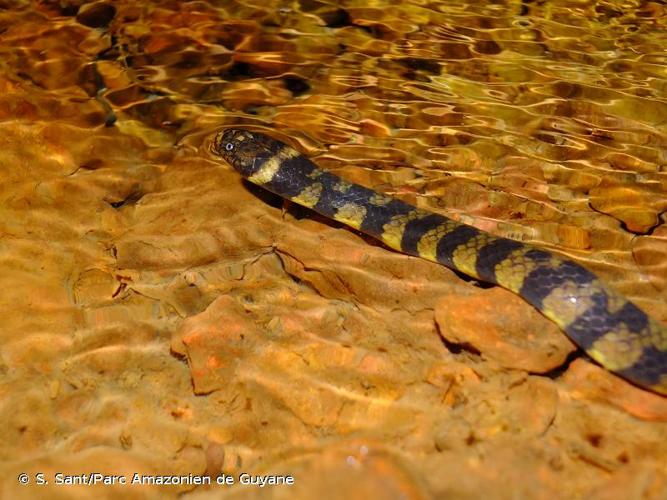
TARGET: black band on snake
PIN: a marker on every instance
(611, 329)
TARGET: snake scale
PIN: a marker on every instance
(611, 329)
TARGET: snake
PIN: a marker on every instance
(612, 330)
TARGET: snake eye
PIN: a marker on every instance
(229, 146)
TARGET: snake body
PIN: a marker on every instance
(611, 329)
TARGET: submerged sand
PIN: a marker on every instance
(163, 319)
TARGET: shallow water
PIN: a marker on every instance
(164, 317)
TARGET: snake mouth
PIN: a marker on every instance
(215, 145)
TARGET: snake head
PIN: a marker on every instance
(242, 148)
